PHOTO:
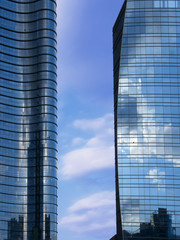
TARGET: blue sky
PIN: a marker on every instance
(86, 194)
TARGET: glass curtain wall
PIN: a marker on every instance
(28, 155)
(147, 119)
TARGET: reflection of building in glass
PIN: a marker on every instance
(159, 227)
(147, 127)
(28, 154)
(161, 223)
(15, 229)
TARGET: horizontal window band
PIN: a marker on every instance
(53, 205)
(38, 108)
(30, 73)
(44, 170)
(144, 165)
(125, 197)
(49, 69)
(25, 231)
(134, 210)
(42, 97)
(30, 48)
(28, 167)
(38, 39)
(149, 10)
(157, 23)
(29, 158)
(28, 132)
(34, 185)
(35, 122)
(51, 183)
(29, 141)
(145, 155)
(23, 37)
(29, 29)
(49, 119)
(28, 14)
(25, 158)
(148, 56)
(30, 32)
(30, 83)
(41, 123)
(8, 198)
(34, 115)
(29, 222)
(12, 9)
(25, 1)
(149, 185)
(37, 63)
(28, 87)
(29, 107)
(29, 65)
(145, 176)
(31, 149)
(38, 19)
(26, 214)
(43, 193)
(25, 203)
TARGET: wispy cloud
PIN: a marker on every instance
(98, 124)
(95, 153)
(92, 214)
(81, 161)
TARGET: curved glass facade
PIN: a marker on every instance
(147, 119)
(28, 153)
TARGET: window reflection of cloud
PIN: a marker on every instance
(130, 213)
(157, 177)
(150, 138)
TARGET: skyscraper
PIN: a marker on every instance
(146, 46)
(28, 153)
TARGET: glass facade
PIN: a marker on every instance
(28, 152)
(146, 50)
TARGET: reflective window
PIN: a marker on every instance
(147, 97)
(28, 155)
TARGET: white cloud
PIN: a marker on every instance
(104, 123)
(96, 200)
(95, 153)
(93, 213)
(81, 161)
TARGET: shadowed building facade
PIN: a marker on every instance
(146, 47)
(28, 152)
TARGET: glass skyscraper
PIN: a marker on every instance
(28, 153)
(146, 46)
